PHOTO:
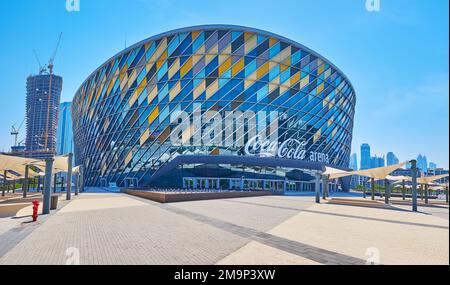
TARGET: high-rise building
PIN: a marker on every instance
(354, 162)
(422, 163)
(42, 108)
(64, 141)
(432, 166)
(377, 162)
(391, 159)
(365, 157)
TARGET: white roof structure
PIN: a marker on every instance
(379, 173)
(17, 164)
(399, 178)
(334, 173)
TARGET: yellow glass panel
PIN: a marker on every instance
(153, 115)
(320, 88)
(237, 67)
(272, 42)
(186, 67)
(263, 70)
(295, 78)
(225, 66)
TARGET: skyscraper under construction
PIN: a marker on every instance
(42, 108)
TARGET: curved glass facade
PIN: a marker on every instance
(217, 102)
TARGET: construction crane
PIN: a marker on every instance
(15, 132)
(42, 68)
(50, 69)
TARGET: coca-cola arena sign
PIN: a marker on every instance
(230, 128)
(289, 149)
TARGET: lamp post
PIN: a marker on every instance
(403, 190)
(25, 182)
(4, 183)
(446, 194)
(69, 176)
(372, 181)
(317, 188)
(47, 186)
(387, 192)
(325, 185)
(414, 184)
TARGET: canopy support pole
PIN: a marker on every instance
(69, 176)
(373, 188)
(414, 184)
(47, 186)
(25, 182)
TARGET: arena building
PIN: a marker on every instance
(214, 107)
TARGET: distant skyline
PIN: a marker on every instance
(397, 58)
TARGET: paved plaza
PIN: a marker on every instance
(113, 228)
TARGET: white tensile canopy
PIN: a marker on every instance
(334, 173)
(17, 164)
(430, 179)
(399, 178)
(379, 173)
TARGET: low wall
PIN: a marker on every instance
(166, 197)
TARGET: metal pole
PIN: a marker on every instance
(426, 193)
(414, 184)
(14, 186)
(75, 182)
(325, 186)
(4, 183)
(55, 182)
(364, 189)
(421, 191)
(317, 188)
(69, 176)
(25, 182)
(47, 186)
(387, 193)
(403, 190)
(373, 188)
(39, 184)
(446, 194)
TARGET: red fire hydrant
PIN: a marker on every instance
(35, 210)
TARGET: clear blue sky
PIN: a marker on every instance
(397, 58)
